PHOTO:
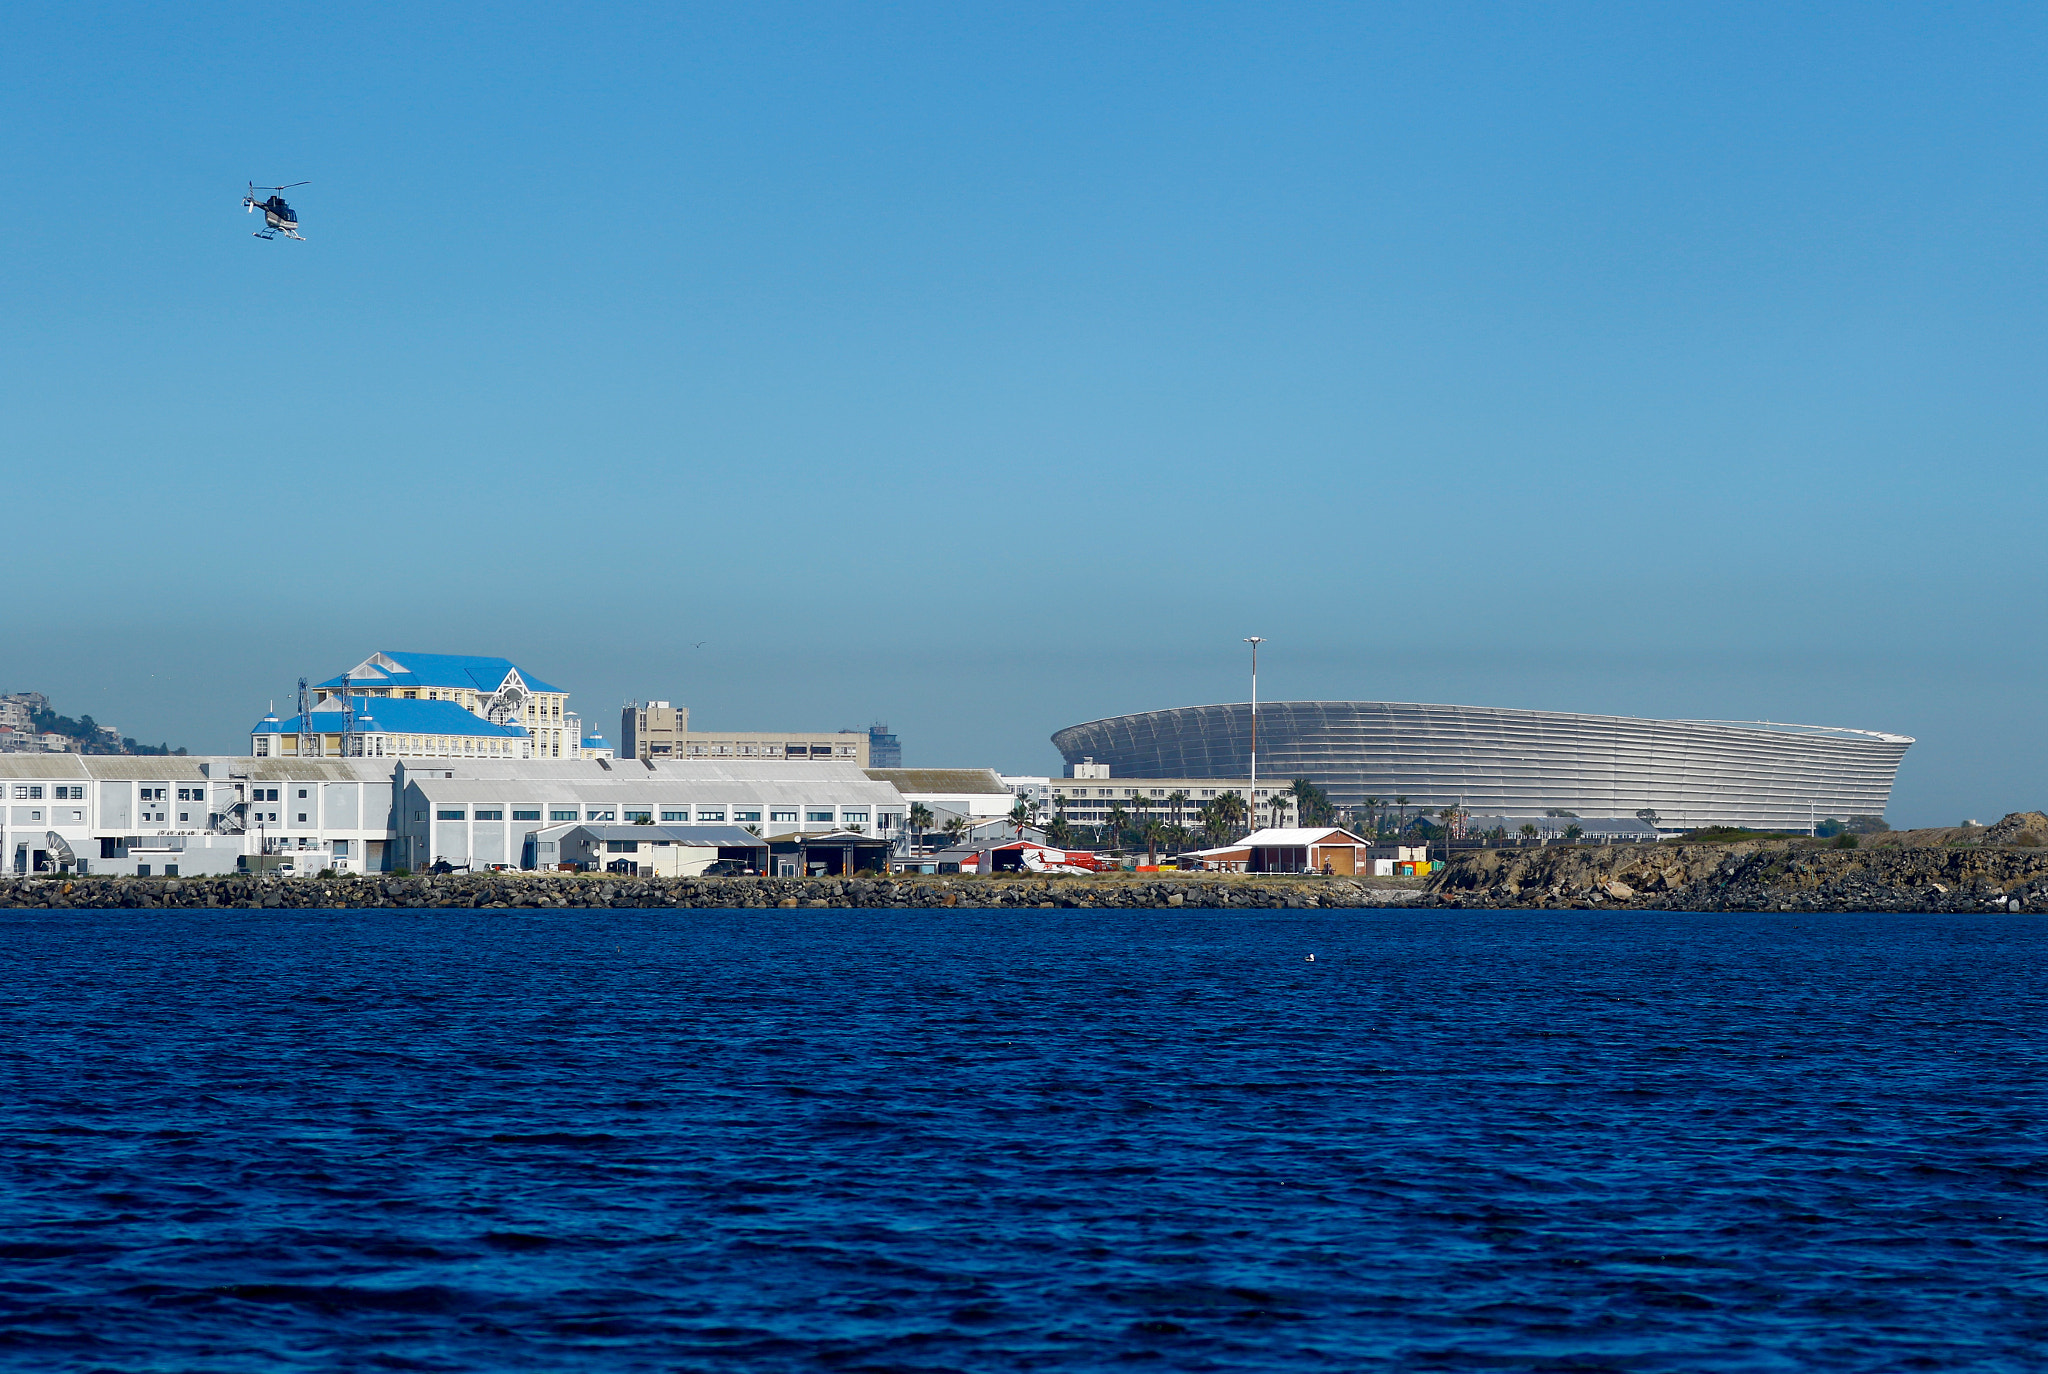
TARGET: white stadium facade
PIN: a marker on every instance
(1492, 761)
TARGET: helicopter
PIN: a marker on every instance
(278, 218)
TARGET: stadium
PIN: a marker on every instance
(1493, 761)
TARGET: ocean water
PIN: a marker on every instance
(915, 1140)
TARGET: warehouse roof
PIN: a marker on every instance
(940, 780)
(690, 836)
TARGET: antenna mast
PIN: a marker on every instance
(350, 745)
(309, 743)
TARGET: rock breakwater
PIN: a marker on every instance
(1889, 873)
(529, 891)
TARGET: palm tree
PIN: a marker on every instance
(1573, 833)
(1177, 806)
(1224, 818)
(1176, 838)
(1311, 803)
(1154, 830)
(1372, 815)
(920, 820)
(1450, 816)
(1276, 807)
(1115, 822)
(956, 827)
(1020, 816)
(1059, 832)
(1528, 831)
(1402, 803)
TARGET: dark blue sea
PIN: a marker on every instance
(915, 1140)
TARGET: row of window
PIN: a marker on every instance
(33, 791)
(740, 815)
(1081, 793)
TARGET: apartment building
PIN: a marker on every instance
(656, 730)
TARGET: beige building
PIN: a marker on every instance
(660, 730)
(1087, 801)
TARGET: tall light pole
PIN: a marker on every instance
(1255, 641)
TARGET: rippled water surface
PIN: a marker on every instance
(1053, 1140)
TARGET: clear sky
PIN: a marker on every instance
(991, 369)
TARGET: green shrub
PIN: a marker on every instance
(1845, 840)
(401, 873)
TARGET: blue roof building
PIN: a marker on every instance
(494, 690)
(392, 727)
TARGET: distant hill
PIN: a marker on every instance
(92, 737)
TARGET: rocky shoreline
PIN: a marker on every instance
(1997, 868)
(2002, 867)
(530, 891)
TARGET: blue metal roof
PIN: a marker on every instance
(395, 716)
(444, 670)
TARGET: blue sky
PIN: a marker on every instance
(991, 369)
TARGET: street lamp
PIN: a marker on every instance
(1255, 641)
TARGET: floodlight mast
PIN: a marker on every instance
(1255, 641)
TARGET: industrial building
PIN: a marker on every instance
(1496, 761)
(481, 815)
(184, 816)
(647, 851)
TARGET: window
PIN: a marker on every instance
(605, 815)
(78, 794)
(302, 818)
(519, 815)
(449, 815)
(559, 813)
(855, 817)
(262, 747)
(622, 846)
(744, 816)
(492, 814)
(23, 792)
(818, 816)
(35, 815)
(341, 849)
(270, 795)
(776, 817)
(184, 816)
(669, 814)
(184, 794)
(302, 793)
(716, 814)
(635, 817)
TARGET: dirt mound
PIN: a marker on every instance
(2026, 828)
